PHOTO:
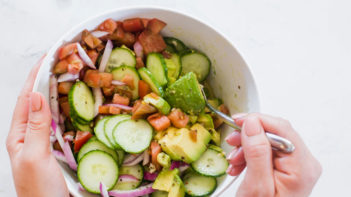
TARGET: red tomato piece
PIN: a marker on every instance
(108, 25)
(65, 108)
(75, 63)
(67, 50)
(151, 42)
(114, 110)
(155, 149)
(139, 63)
(129, 80)
(61, 67)
(159, 121)
(145, 21)
(64, 87)
(133, 25)
(118, 99)
(144, 88)
(93, 55)
(81, 138)
(141, 109)
(155, 25)
(178, 118)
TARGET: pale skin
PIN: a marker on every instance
(37, 173)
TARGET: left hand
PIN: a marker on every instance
(35, 170)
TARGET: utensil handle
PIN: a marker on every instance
(277, 142)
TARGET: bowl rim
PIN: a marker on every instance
(82, 24)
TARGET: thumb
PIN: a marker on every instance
(38, 127)
(258, 156)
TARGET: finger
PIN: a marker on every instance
(236, 157)
(257, 152)
(20, 114)
(274, 125)
(234, 139)
(235, 170)
(37, 137)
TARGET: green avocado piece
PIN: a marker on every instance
(205, 120)
(164, 160)
(186, 94)
(180, 145)
(165, 179)
(158, 102)
(215, 137)
(177, 189)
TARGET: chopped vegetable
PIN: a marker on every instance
(61, 67)
(108, 25)
(155, 25)
(67, 50)
(75, 63)
(155, 149)
(133, 25)
(64, 87)
(141, 109)
(159, 121)
(80, 139)
(151, 42)
(144, 88)
(164, 160)
(178, 118)
(118, 99)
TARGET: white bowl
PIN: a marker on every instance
(230, 77)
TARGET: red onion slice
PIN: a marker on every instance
(69, 156)
(59, 156)
(103, 190)
(67, 77)
(53, 94)
(138, 49)
(124, 107)
(106, 56)
(127, 178)
(80, 187)
(68, 138)
(150, 176)
(99, 34)
(178, 164)
(146, 159)
(57, 133)
(98, 100)
(85, 57)
(52, 139)
(141, 191)
(118, 83)
(135, 161)
(131, 157)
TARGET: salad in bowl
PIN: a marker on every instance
(129, 116)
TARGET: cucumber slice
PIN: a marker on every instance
(136, 171)
(198, 185)
(186, 94)
(175, 44)
(211, 163)
(99, 131)
(110, 124)
(146, 75)
(157, 66)
(81, 127)
(120, 154)
(159, 193)
(81, 102)
(174, 67)
(120, 72)
(196, 62)
(119, 57)
(97, 166)
(95, 144)
(133, 136)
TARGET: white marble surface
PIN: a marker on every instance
(299, 53)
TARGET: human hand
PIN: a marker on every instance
(270, 173)
(35, 170)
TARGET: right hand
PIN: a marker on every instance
(270, 173)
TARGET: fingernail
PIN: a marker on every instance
(232, 153)
(35, 102)
(239, 115)
(252, 126)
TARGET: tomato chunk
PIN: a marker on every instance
(129, 80)
(155, 25)
(144, 88)
(81, 138)
(114, 110)
(109, 91)
(141, 109)
(118, 99)
(155, 149)
(67, 50)
(75, 63)
(64, 87)
(90, 40)
(65, 108)
(151, 42)
(145, 21)
(108, 25)
(96, 79)
(159, 121)
(104, 109)
(139, 63)
(93, 55)
(61, 67)
(224, 109)
(178, 118)
(133, 25)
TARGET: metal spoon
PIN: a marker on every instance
(278, 143)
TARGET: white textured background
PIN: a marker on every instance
(299, 52)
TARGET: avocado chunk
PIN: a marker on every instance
(181, 144)
(186, 94)
(177, 189)
(165, 180)
(158, 102)
(206, 120)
